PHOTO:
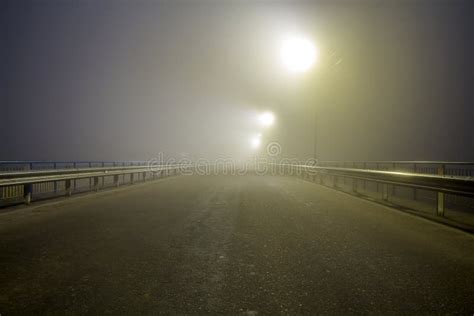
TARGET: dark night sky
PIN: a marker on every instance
(122, 80)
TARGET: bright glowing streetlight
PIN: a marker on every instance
(298, 54)
(266, 119)
(256, 141)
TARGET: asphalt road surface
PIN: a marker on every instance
(230, 245)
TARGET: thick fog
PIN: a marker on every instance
(126, 80)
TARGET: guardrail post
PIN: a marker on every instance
(55, 183)
(354, 181)
(116, 180)
(90, 179)
(415, 191)
(365, 182)
(74, 181)
(27, 192)
(103, 178)
(440, 199)
(334, 183)
(344, 178)
(67, 185)
(96, 183)
(385, 192)
(144, 176)
(393, 186)
(132, 180)
(377, 167)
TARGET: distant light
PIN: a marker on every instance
(266, 119)
(256, 141)
(298, 54)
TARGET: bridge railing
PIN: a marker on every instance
(440, 184)
(455, 168)
(19, 165)
(450, 168)
(26, 185)
(444, 187)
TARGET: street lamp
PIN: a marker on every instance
(266, 119)
(298, 54)
(256, 141)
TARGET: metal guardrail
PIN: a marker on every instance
(453, 168)
(72, 162)
(25, 182)
(21, 183)
(456, 168)
(426, 162)
(72, 171)
(19, 165)
(441, 184)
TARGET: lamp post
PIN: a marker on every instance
(298, 55)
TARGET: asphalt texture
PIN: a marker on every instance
(230, 245)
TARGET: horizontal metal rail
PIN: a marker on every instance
(17, 165)
(446, 184)
(28, 173)
(72, 161)
(27, 177)
(23, 181)
(441, 184)
(399, 162)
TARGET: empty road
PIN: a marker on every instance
(230, 245)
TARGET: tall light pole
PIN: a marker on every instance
(299, 54)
